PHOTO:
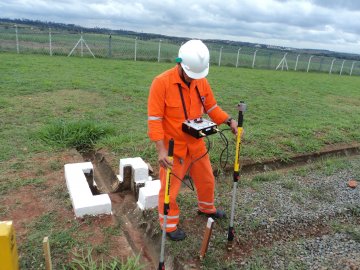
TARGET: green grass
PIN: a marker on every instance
(352, 230)
(288, 112)
(79, 134)
(263, 258)
(290, 184)
(71, 102)
(50, 102)
(61, 240)
(5, 187)
(266, 177)
(84, 260)
(327, 167)
(322, 193)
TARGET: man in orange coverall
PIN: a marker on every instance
(183, 93)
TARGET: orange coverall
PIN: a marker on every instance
(165, 118)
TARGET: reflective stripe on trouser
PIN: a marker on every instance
(201, 173)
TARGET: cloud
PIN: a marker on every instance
(338, 4)
(325, 24)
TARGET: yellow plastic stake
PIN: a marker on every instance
(8, 250)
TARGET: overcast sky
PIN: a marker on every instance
(316, 24)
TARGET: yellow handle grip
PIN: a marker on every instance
(168, 173)
(237, 151)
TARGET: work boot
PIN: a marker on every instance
(177, 235)
(217, 215)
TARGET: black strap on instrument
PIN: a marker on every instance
(197, 91)
(183, 101)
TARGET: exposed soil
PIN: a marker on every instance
(129, 217)
(26, 204)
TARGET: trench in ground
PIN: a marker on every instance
(124, 207)
(144, 239)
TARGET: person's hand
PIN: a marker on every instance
(163, 158)
(234, 128)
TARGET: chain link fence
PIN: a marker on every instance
(47, 41)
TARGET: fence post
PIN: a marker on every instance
(307, 70)
(332, 64)
(159, 50)
(220, 56)
(237, 57)
(253, 63)
(17, 39)
(135, 49)
(50, 45)
(81, 45)
(352, 66)
(342, 65)
(110, 46)
(297, 60)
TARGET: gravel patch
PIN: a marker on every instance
(338, 251)
(302, 221)
(293, 203)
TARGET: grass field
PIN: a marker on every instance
(49, 105)
(288, 112)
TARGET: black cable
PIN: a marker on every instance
(182, 180)
(183, 102)
(226, 148)
(186, 176)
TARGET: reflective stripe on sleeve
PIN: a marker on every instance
(154, 118)
(212, 108)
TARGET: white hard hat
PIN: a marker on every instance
(194, 59)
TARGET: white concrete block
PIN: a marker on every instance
(154, 185)
(149, 195)
(124, 162)
(140, 169)
(97, 205)
(83, 201)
